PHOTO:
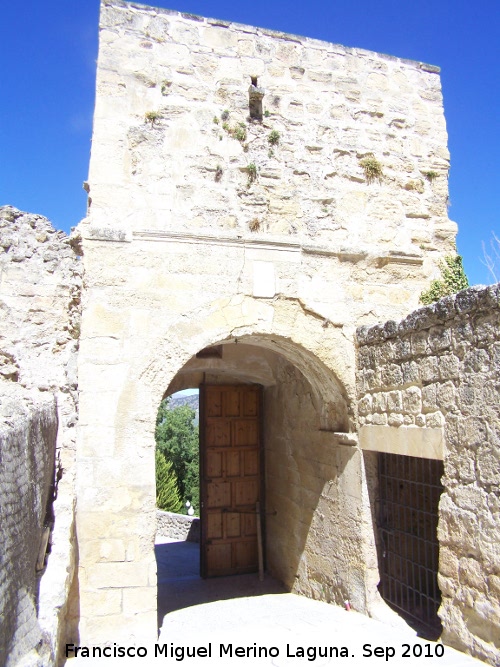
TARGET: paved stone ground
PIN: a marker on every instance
(180, 585)
(242, 614)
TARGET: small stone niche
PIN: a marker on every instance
(255, 96)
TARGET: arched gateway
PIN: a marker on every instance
(267, 194)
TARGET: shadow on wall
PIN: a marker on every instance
(312, 532)
(27, 473)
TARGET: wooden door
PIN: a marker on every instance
(230, 441)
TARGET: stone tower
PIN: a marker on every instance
(256, 196)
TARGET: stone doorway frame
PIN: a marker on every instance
(325, 358)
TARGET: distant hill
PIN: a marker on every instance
(191, 401)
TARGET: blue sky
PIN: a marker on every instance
(48, 51)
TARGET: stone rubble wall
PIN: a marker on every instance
(177, 526)
(40, 280)
(441, 366)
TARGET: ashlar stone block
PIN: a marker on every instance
(446, 397)
(449, 367)
(434, 419)
(105, 602)
(117, 575)
(429, 369)
(395, 419)
(365, 404)
(394, 401)
(412, 400)
(139, 600)
(379, 402)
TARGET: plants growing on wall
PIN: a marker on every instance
(453, 280)
(430, 175)
(274, 137)
(239, 132)
(152, 117)
(251, 172)
(253, 138)
(372, 168)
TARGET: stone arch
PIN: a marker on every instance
(329, 396)
(322, 352)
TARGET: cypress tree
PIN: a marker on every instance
(167, 493)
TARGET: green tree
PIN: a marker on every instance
(453, 279)
(167, 493)
(177, 438)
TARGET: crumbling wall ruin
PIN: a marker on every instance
(429, 386)
(40, 280)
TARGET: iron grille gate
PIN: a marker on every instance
(409, 492)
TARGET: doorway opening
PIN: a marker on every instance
(409, 493)
(193, 566)
(269, 430)
(216, 535)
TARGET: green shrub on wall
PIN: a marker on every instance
(452, 281)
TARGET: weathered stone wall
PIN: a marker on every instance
(178, 526)
(331, 106)
(40, 280)
(28, 431)
(440, 367)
